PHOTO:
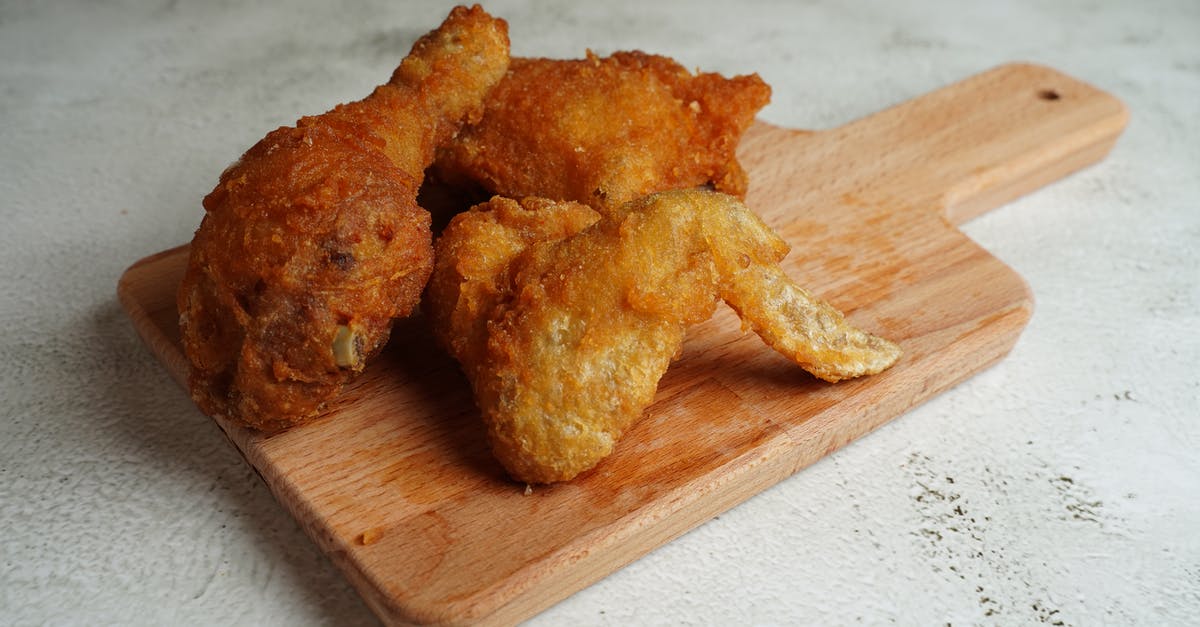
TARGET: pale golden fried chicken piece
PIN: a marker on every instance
(313, 242)
(605, 131)
(473, 259)
(564, 321)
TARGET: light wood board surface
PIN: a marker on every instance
(395, 482)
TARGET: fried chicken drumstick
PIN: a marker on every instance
(605, 131)
(564, 320)
(313, 242)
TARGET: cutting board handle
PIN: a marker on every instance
(958, 151)
(990, 138)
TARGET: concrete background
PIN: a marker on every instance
(1061, 486)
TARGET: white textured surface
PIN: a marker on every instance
(1062, 485)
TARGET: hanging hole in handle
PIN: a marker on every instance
(1048, 94)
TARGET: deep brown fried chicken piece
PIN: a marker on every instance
(605, 131)
(313, 242)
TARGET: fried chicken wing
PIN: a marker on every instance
(313, 242)
(605, 131)
(565, 321)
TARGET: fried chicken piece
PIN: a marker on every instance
(471, 277)
(564, 321)
(605, 131)
(313, 242)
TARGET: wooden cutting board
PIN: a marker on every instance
(395, 483)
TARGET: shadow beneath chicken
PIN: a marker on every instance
(443, 409)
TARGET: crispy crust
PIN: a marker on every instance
(565, 324)
(314, 237)
(605, 131)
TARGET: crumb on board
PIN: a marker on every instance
(370, 536)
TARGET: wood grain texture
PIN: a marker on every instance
(395, 482)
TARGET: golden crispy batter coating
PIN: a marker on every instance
(470, 277)
(566, 327)
(312, 243)
(605, 131)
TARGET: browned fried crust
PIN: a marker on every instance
(605, 131)
(316, 227)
